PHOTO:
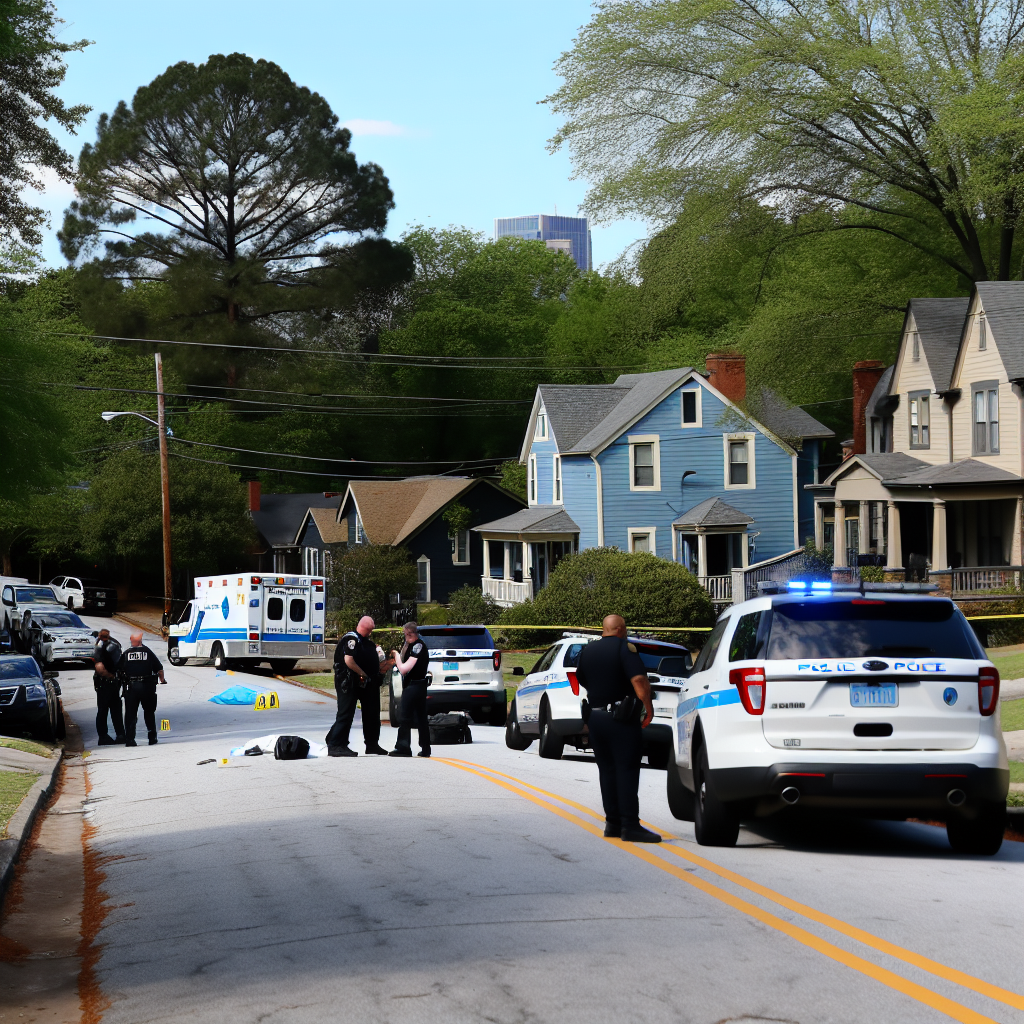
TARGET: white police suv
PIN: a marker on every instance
(875, 701)
(548, 704)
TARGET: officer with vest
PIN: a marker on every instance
(139, 669)
(106, 655)
(618, 691)
(358, 664)
(412, 662)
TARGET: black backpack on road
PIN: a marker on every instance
(291, 748)
(452, 728)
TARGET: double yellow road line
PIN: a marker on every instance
(561, 805)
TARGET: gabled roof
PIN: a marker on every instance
(326, 519)
(574, 410)
(952, 474)
(940, 323)
(785, 420)
(881, 465)
(282, 516)
(713, 512)
(538, 519)
(1003, 302)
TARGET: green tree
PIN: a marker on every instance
(470, 604)
(365, 575)
(32, 67)
(908, 113)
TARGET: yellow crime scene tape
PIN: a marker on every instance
(632, 629)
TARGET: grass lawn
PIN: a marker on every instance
(13, 787)
(29, 746)
(321, 680)
(1011, 665)
(1011, 714)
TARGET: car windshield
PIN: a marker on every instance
(59, 620)
(864, 627)
(464, 638)
(19, 668)
(35, 595)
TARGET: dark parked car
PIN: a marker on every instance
(29, 699)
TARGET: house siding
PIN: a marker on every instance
(545, 452)
(579, 485)
(917, 376)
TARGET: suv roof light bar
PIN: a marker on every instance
(766, 588)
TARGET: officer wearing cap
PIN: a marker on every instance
(106, 655)
(617, 691)
(358, 663)
(412, 661)
(139, 669)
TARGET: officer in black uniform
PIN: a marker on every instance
(412, 662)
(357, 672)
(617, 689)
(139, 670)
(106, 655)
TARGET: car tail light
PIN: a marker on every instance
(497, 660)
(573, 682)
(988, 690)
(254, 636)
(750, 683)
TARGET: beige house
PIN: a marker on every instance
(936, 477)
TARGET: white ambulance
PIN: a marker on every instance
(244, 619)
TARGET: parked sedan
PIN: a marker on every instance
(29, 699)
(81, 593)
(61, 636)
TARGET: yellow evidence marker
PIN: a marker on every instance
(267, 701)
(165, 725)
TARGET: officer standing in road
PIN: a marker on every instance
(106, 655)
(618, 690)
(139, 670)
(412, 662)
(358, 664)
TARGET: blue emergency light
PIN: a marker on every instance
(816, 585)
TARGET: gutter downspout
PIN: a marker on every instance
(600, 503)
(796, 507)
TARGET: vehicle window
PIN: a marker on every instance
(19, 668)
(653, 654)
(673, 667)
(58, 581)
(89, 582)
(710, 649)
(572, 655)
(297, 610)
(8, 595)
(186, 615)
(59, 619)
(33, 594)
(73, 584)
(744, 645)
(862, 627)
(546, 660)
(275, 609)
(472, 638)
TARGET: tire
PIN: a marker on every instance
(61, 730)
(680, 799)
(499, 715)
(551, 744)
(71, 604)
(982, 835)
(715, 822)
(393, 709)
(218, 658)
(174, 657)
(514, 739)
(282, 666)
(658, 757)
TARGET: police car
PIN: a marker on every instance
(548, 704)
(465, 674)
(876, 701)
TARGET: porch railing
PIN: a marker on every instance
(782, 567)
(981, 578)
(507, 592)
(719, 588)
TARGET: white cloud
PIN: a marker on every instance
(362, 126)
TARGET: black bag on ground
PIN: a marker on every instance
(290, 748)
(451, 728)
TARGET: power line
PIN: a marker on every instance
(404, 398)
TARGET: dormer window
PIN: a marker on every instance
(541, 433)
(916, 348)
(982, 334)
(919, 420)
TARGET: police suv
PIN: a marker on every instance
(548, 704)
(876, 701)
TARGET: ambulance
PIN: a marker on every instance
(241, 619)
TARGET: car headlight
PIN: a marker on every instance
(35, 691)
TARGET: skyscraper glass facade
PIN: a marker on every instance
(544, 228)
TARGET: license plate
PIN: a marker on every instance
(450, 666)
(868, 695)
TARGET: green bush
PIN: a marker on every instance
(364, 576)
(818, 561)
(872, 574)
(470, 605)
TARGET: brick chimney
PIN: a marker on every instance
(727, 373)
(254, 495)
(866, 374)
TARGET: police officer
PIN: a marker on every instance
(412, 662)
(358, 663)
(106, 655)
(139, 670)
(617, 688)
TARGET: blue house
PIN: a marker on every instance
(685, 465)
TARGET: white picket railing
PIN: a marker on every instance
(507, 592)
(973, 580)
(719, 588)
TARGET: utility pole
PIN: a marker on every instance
(165, 487)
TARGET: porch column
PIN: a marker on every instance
(526, 561)
(940, 558)
(894, 552)
(487, 558)
(702, 554)
(508, 561)
(839, 533)
(864, 529)
(745, 550)
(1016, 545)
(819, 525)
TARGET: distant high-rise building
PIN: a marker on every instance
(569, 234)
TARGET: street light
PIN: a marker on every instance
(165, 491)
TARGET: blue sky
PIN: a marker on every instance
(442, 94)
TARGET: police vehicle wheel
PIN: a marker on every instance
(715, 823)
(498, 715)
(680, 799)
(551, 744)
(514, 739)
(981, 835)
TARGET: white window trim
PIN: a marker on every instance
(698, 391)
(982, 333)
(425, 561)
(455, 549)
(540, 430)
(360, 532)
(531, 481)
(631, 531)
(751, 483)
(557, 486)
(655, 439)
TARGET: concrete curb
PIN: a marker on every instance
(148, 627)
(20, 826)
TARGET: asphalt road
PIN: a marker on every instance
(476, 887)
